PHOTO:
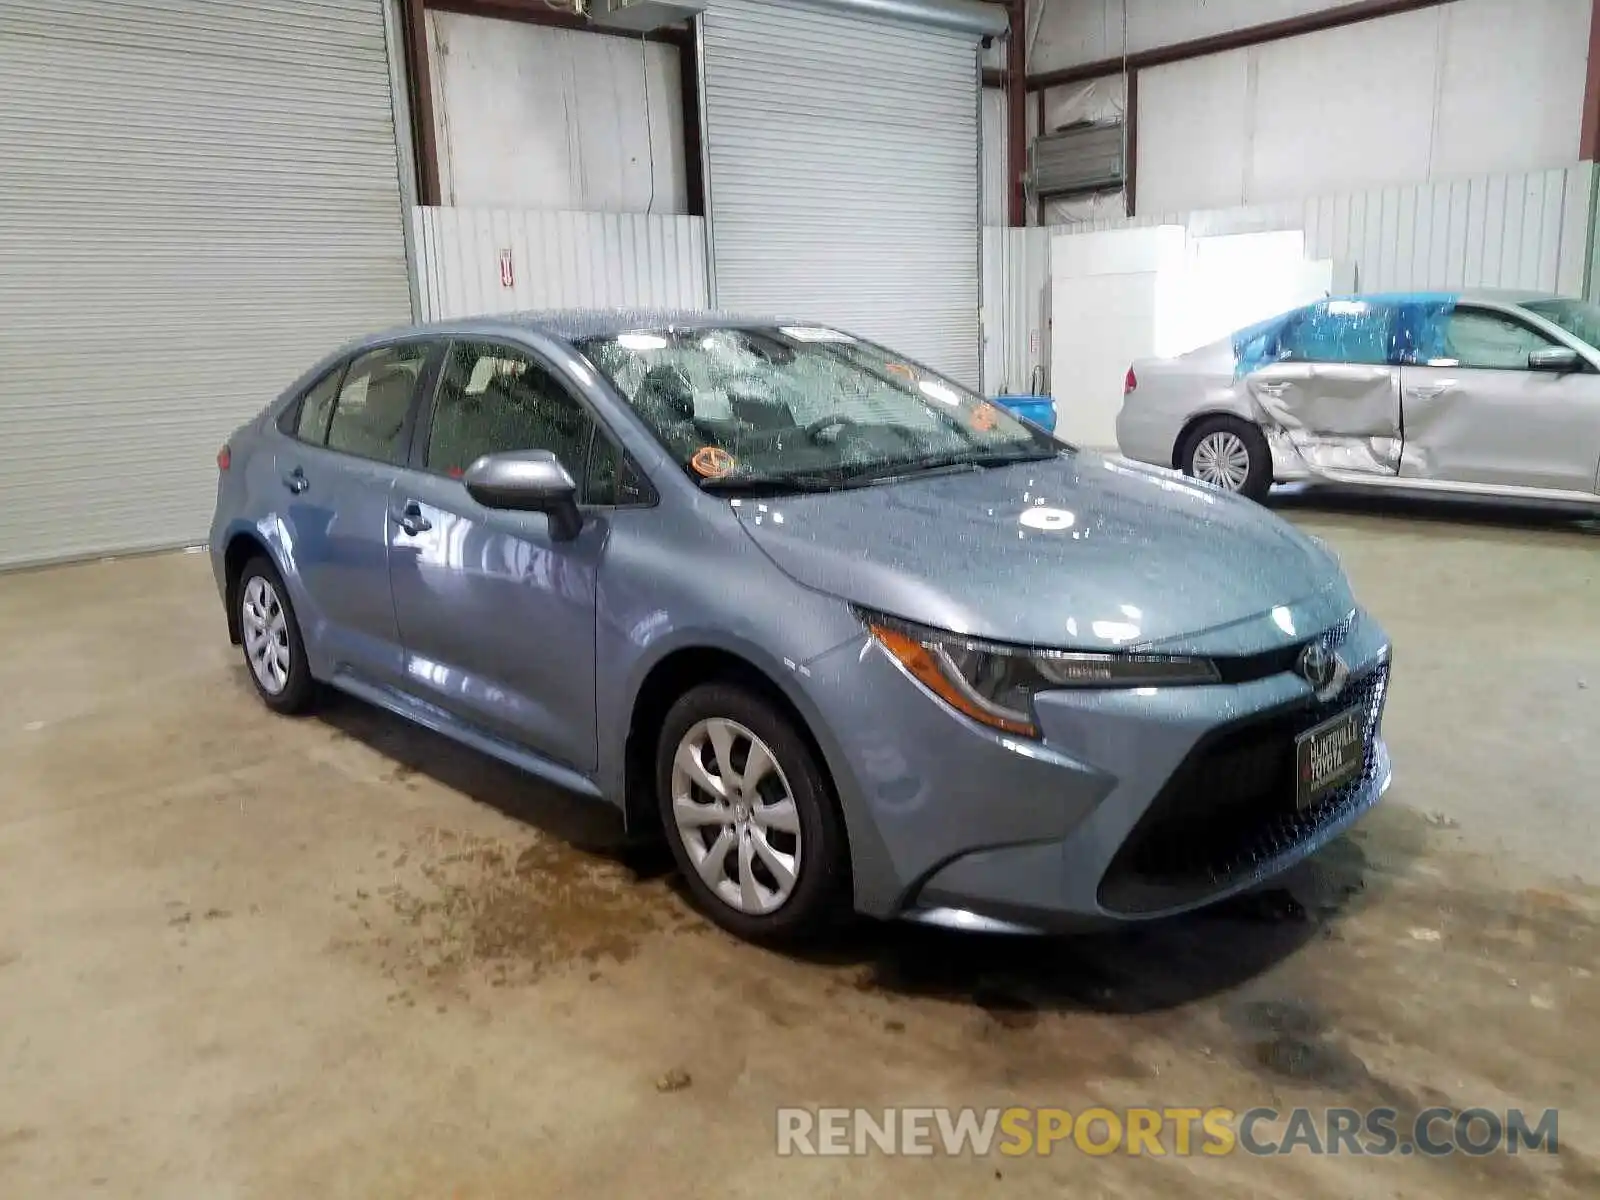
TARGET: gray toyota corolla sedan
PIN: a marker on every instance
(854, 637)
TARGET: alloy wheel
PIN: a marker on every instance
(736, 816)
(1222, 459)
(265, 627)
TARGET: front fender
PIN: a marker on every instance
(868, 855)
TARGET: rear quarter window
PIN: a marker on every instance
(307, 418)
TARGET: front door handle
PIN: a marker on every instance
(411, 520)
(296, 481)
(1275, 390)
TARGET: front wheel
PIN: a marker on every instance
(1231, 454)
(750, 816)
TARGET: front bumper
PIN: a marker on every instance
(1134, 804)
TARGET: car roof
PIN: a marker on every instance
(576, 324)
(1454, 296)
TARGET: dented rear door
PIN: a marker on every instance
(1477, 414)
(1334, 392)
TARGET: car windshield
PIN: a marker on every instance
(1579, 319)
(802, 408)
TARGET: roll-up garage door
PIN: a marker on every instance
(843, 168)
(198, 198)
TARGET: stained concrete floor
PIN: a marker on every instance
(250, 957)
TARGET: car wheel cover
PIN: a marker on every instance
(1222, 460)
(265, 628)
(736, 816)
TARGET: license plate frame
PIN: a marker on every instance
(1328, 756)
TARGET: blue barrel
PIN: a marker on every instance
(1041, 410)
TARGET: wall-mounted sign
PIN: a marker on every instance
(508, 275)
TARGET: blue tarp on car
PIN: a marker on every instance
(1395, 327)
(1041, 410)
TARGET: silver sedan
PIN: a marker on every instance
(1483, 393)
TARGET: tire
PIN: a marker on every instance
(286, 685)
(725, 831)
(1212, 454)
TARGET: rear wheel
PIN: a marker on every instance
(750, 816)
(1231, 454)
(270, 636)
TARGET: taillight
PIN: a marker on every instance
(1129, 382)
(224, 458)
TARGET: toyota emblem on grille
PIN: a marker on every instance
(1324, 669)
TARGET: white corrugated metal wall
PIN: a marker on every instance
(1527, 231)
(1514, 231)
(843, 156)
(556, 260)
(1016, 308)
(198, 198)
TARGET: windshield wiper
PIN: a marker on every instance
(905, 468)
(771, 485)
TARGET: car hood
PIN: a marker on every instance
(1078, 551)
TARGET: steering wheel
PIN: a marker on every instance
(831, 421)
(761, 437)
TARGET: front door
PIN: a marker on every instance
(1478, 414)
(496, 616)
(351, 435)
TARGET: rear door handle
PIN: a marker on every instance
(411, 520)
(1427, 391)
(1273, 389)
(296, 481)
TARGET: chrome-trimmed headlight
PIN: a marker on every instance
(994, 683)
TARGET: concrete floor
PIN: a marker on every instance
(249, 957)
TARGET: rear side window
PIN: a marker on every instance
(311, 423)
(369, 416)
(1341, 331)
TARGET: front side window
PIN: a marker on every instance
(1580, 319)
(611, 478)
(369, 416)
(803, 408)
(494, 400)
(1489, 341)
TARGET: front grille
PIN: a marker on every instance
(1229, 810)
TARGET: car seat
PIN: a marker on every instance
(380, 417)
(665, 394)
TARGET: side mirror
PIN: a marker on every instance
(1561, 359)
(527, 481)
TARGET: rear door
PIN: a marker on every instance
(1333, 387)
(1478, 414)
(350, 434)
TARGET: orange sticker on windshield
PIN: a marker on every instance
(985, 417)
(901, 371)
(712, 462)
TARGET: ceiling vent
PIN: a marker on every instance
(642, 16)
